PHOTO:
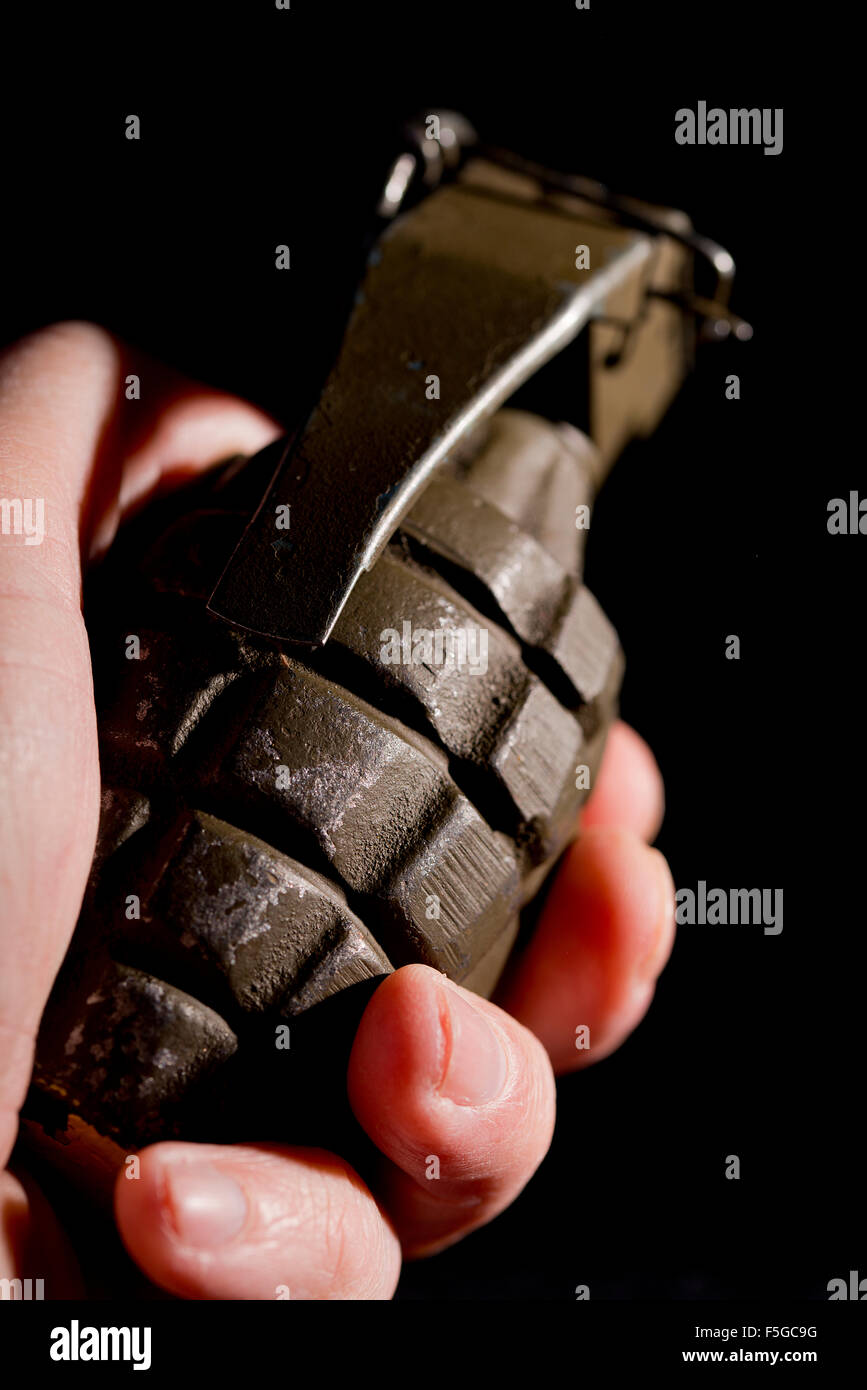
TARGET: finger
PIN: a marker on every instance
(32, 1244)
(255, 1222)
(629, 790)
(179, 429)
(62, 433)
(459, 1098)
(603, 938)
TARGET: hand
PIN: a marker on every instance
(434, 1070)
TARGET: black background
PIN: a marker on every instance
(261, 127)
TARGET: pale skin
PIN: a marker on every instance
(433, 1070)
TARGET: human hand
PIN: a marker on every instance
(434, 1070)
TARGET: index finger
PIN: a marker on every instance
(629, 792)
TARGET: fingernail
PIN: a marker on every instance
(206, 1206)
(649, 966)
(476, 1068)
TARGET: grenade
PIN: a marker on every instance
(359, 690)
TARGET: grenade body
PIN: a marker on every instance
(280, 829)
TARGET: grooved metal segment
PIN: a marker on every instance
(123, 810)
(541, 740)
(244, 926)
(480, 543)
(127, 1050)
(154, 701)
(368, 799)
(585, 647)
(538, 474)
